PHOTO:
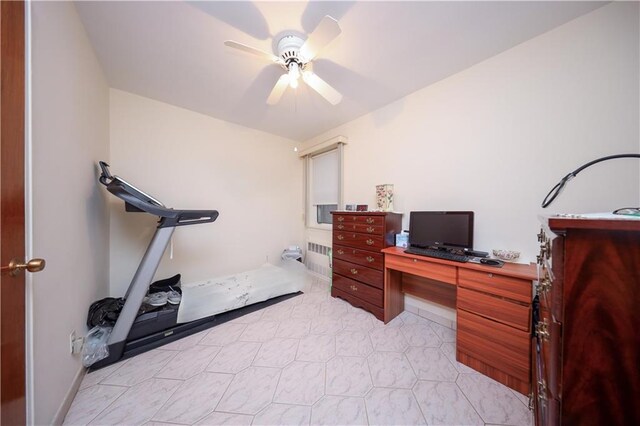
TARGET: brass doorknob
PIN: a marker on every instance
(15, 266)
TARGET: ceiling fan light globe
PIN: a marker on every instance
(294, 74)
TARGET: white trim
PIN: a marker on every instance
(341, 175)
(28, 216)
(305, 191)
(443, 315)
(58, 418)
(327, 145)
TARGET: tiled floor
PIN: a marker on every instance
(313, 360)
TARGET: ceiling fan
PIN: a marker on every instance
(295, 56)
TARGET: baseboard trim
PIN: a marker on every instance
(58, 419)
(441, 315)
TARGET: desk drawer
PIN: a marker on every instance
(358, 240)
(432, 270)
(500, 346)
(370, 259)
(366, 275)
(355, 288)
(358, 218)
(496, 308)
(498, 285)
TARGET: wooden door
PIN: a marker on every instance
(12, 212)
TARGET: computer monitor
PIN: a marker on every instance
(452, 229)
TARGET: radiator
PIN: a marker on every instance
(317, 260)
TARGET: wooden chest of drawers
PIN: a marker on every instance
(358, 265)
(586, 348)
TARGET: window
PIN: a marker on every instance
(323, 213)
(324, 185)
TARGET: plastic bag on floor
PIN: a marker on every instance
(96, 345)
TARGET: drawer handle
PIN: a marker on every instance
(370, 220)
(340, 237)
(370, 259)
(340, 226)
(340, 218)
(354, 288)
(545, 249)
(370, 242)
(542, 392)
(340, 251)
(542, 330)
(354, 271)
(544, 285)
(541, 236)
(371, 229)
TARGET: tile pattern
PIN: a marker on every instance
(311, 360)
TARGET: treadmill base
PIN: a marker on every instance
(124, 350)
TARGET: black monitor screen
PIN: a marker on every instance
(441, 229)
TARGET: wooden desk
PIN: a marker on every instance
(493, 309)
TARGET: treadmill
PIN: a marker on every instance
(135, 333)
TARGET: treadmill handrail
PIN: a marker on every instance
(120, 190)
(169, 217)
(141, 201)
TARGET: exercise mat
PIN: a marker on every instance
(211, 297)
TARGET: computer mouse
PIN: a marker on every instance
(491, 262)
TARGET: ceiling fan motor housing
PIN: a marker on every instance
(289, 48)
(294, 55)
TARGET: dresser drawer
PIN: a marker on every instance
(360, 273)
(358, 240)
(432, 270)
(360, 227)
(357, 218)
(356, 288)
(358, 303)
(495, 308)
(498, 285)
(371, 259)
(500, 346)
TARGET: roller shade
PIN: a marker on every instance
(325, 173)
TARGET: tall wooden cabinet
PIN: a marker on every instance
(586, 347)
(358, 265)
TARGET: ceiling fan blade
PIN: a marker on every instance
(325, 32)
(322, 87)
(253, 51)
(278, 89)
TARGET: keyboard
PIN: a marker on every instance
(438, 254)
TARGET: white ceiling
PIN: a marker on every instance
(174, 52)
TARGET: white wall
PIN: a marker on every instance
(497, 136)
(70, 132)
(192, 161)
